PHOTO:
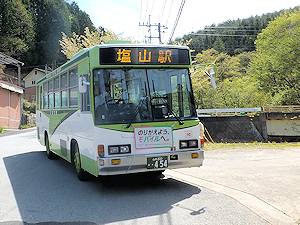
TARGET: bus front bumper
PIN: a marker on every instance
(139, 163)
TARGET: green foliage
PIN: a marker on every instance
(28, 107)
(30, 30)
(51, 17)
(79, 20)
(1, 129)
(71, 45)
(16, 28)
(26, 126)
(276, 58)
(233, 36)
(234, 87)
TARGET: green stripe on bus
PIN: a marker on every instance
(89, 165)
(174, 124)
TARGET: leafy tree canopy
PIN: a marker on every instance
(16, 28)
(71, 45)
(233, 36)
(234, 87)
(276, 62)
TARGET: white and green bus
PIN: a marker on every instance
(120, 108)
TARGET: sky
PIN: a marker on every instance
(125, 17)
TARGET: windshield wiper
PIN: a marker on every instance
(136, 111)
(168, 107)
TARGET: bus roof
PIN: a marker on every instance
(110, 44)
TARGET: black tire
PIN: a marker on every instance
(81, 173)
(49, 153)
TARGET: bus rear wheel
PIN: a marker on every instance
(81, 174)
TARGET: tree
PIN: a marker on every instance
(79, 20)
(276, 61)
(234, 87)
(16, 28)
(71, 45)
(51, 17)
(237, 35)
(219, 45)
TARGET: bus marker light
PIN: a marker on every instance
(115, 161)
(195, 155)
(101, 150)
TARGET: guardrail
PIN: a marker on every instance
(282, 108)
(204, 112)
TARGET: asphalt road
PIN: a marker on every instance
(36, 190)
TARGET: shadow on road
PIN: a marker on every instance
(49, 191)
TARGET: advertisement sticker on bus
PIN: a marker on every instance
(153, 137)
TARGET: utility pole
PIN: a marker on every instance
(149, 25)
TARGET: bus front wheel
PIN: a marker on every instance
(49, 153)
(81, 174)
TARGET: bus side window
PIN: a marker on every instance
(85, 98)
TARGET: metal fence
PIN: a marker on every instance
(234, 111)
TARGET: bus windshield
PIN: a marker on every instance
(142, 95)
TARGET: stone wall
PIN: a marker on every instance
(29, 119)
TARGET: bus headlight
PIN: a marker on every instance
(183, 144)
(118, 149)
(124, 149)
(188, 144)
(113, 149)
(193, 144)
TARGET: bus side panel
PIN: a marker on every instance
(88, 157)
(60, 145)
(42, 126)
(80, 128)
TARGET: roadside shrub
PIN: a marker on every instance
(28, 107)
(24, 126)
(1, 130)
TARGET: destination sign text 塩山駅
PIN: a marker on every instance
(144, 56)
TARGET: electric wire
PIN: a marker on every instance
(146, 10)
(169, 13)
(162, 11)
(177, 19)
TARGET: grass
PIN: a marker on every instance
(214, 146)
(24, 126)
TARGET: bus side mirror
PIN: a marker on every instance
(82, 84)
(211, 73)
(212, 77)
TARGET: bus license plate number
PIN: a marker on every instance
(157, 162)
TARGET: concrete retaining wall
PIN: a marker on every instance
(232, 129)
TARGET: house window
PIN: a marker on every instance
(33, 82)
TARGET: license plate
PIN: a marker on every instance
(157, 162)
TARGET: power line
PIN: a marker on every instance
(227, 27)
(146, 10)
(169, 13)
(213, 30)
(162, 11)
(177, 19)
(225, 35)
